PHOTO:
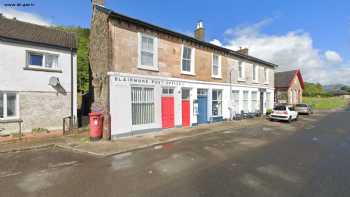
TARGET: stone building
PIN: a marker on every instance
(289, 87)
(148, 78)
(37, 76)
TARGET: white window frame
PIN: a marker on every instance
(255, 73)
(245, 100)
(43, 66)
(155, 66)
(141, 121)
(219, 66)
(254, 101)
(217, 100)
(5, 117)
(236, 100)
(241, 64)
(192, 72)
(266, 75)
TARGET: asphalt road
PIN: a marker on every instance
(308, 158)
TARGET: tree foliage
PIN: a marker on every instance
(82, 35)
(314, 89)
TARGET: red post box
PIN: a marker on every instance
(96, 125)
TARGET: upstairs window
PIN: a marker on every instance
(216, 70)
(148, 52)
(187, 63)
(42, 60)
(266, 75)
(255, 73)
(240, 71)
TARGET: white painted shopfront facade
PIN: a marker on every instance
(136, 102)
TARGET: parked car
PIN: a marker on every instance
(303, 109)
(284, 112)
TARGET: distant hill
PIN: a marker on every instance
(333, 87)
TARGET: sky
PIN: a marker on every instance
(312, 36)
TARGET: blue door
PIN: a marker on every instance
(202, 109)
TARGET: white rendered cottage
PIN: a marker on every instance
(38, 68)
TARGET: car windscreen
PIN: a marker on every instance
(301, 105)
(280, 108)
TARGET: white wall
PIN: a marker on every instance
(13, 77)
(120, 101)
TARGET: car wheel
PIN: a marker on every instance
(290, 119)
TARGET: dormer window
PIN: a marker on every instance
(148, 52)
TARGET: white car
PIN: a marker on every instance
(283, 112)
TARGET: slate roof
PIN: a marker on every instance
(15, 30)
(284, 79)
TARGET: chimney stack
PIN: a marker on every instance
(199, 33)
(243, 50)
(98, 2)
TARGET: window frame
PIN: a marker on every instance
(241, 65)
(155, 66)
(17, 111)
(219, 74)
(152, 119)
(192, 66)
(245, 99)
(236, 100)
(44, 57)
(254, 101)
(218, 101)
(255, 73)
(266, 76)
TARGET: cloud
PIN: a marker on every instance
(25, 16)
(216, 42)
(292, 50)
(333, 57)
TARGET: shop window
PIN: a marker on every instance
(235, 98)
(185, 94)
(168, 91)
(254, 101)
(142, 99)
(245, 101)
(268, 100)
(217, 102)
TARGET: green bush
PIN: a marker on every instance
(40, 130)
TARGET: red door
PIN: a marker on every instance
(167, 112)
(185, 113)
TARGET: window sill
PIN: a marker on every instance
(216, 77)
(241, 80)
(187, 73)
(43, 69)
(10, 120)
(255, 82)
(148, 68)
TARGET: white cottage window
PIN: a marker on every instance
(142, 104)
(42, 60)
(148, 52)
(9, 105)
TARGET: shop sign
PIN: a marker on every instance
(144, 81)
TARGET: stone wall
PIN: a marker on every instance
(124, 53)
(40, 110)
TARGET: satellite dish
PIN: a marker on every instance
(54, 81)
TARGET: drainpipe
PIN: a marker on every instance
(231, 112)
(71, 89)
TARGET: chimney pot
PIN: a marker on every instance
(243, 50)
(199, 33)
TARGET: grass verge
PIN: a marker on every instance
(326, 102)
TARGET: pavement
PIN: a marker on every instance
(308, 158)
